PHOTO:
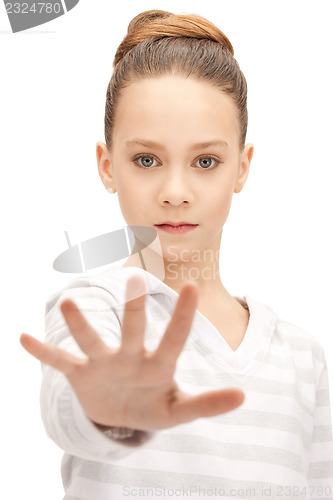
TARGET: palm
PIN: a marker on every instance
(130, 386)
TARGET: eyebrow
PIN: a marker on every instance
(200, 145)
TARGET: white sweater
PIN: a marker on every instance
(277, 444)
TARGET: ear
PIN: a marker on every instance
(104, 166)
(244, 167)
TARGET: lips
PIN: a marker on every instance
(175, 224)
(176, 227)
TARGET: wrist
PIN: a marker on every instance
(115, 432)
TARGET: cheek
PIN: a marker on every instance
(131, 186)
(130, 198)
(127, 198)
(220, 200)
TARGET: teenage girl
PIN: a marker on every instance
(167, 385)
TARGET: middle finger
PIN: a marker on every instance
(134, 319)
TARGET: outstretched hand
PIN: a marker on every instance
(131, 386)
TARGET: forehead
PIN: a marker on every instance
(175, 105)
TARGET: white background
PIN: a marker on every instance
(277, 243)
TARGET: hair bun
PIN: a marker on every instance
(160, 24)
(147, 17)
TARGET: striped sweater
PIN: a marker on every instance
(277, 444)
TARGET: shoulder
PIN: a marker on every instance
(288, 339)
(84, 287)
(96, 292)
(298, 338)
(97, 296)
(305, 349)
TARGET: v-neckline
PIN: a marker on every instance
(261, 325)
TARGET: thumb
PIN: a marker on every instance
(208, 404)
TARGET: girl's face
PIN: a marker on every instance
(161, 168)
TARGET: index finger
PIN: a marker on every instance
(179, 326)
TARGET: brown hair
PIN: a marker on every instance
(159, 43)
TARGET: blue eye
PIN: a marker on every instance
(208, 165)
(147, 162)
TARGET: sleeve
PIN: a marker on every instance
(63, 417)
(320, 473)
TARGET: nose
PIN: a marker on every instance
(175, 188)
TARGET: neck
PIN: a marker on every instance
(206, 274)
